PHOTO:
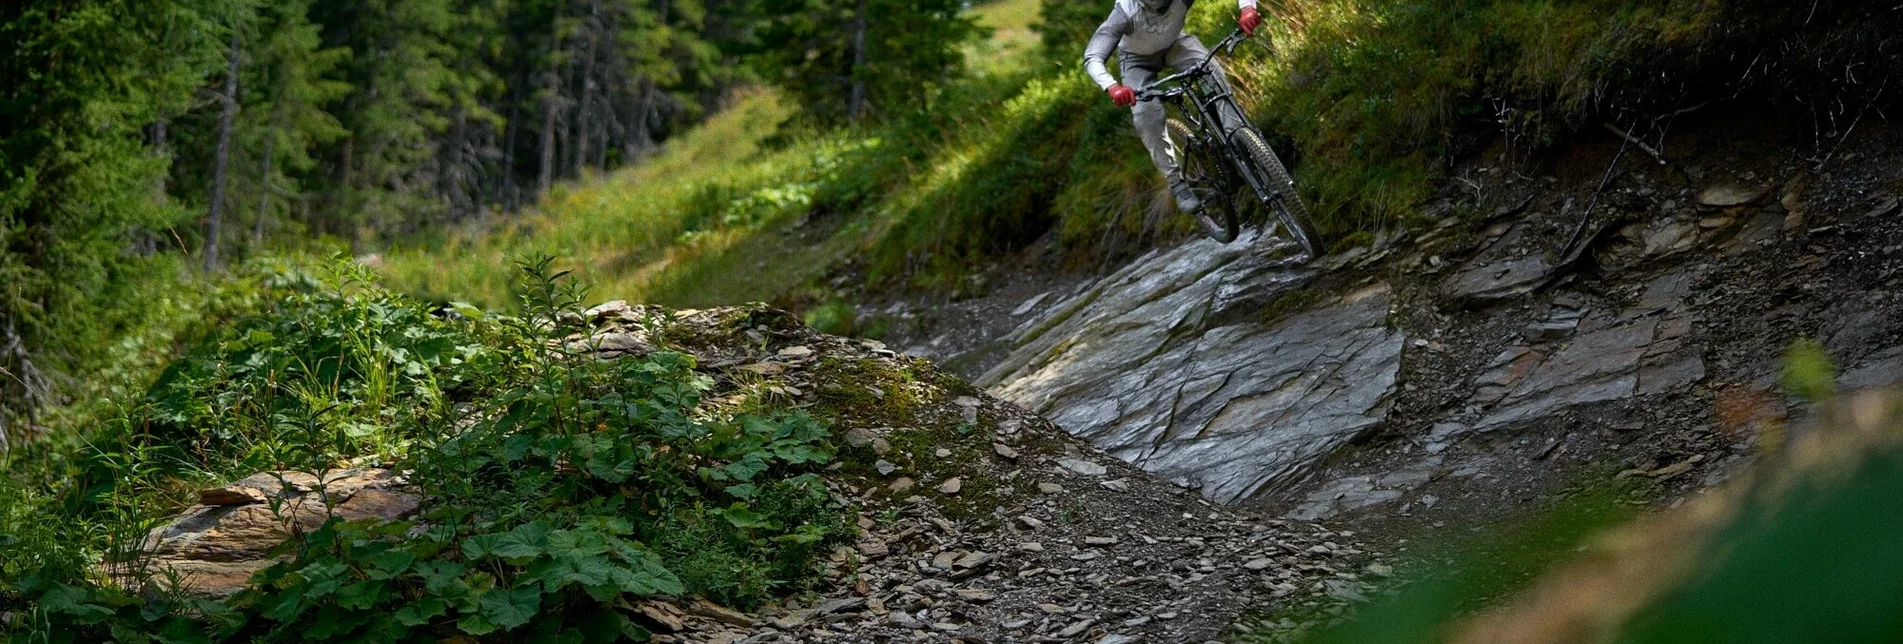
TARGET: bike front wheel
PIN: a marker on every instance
(1207, 178)
(1282, 201)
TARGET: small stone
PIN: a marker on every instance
(1050, 488)
(942, 452)
(1083, 467)
(1077, 629)
(966, 401)
(945, 559)
(662, 614)
(1261, 563)
(609, 308)
(1031, 522)
(796, 351)
(975, 595)
(766, 369)
(1053, 609)
(902, 484)
(1728, 195)
(1380, 570)
(881, 447)
(718, 613)
(885, 467)
(951, 485)
(1031, 546)
(1004, 451)
(1116, 485)
(1100, 541)
(860, 437)
(974, 560)
(873, 548)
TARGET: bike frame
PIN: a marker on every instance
(1202, 108)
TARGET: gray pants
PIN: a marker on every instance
(1139, 70)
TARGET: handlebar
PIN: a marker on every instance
(1226, 47)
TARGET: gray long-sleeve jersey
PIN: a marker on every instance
(1136, 31)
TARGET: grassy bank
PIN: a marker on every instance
(1371, 99)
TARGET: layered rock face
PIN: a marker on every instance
(1170, 365)
(215, 547)
(1632, 321)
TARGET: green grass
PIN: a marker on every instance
(1370, 100)
(1011, 33)
(650, 233)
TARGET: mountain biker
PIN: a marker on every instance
(1149, 35)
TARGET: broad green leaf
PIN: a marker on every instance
(68, 600)
(746, 468)
(526, 541)
(744, 517)
(476, 624)
(566, 543)
(421, 611)
(284, 606)
(513, 607)
(388, 564)
(480, 546)
(323, 578)
(745, 491)
(363, 595)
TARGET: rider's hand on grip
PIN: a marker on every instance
(1122, 96)
(1248, 21)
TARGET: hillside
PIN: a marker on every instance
(884, 329)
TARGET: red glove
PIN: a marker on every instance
(1122, 96)
(1249, 20)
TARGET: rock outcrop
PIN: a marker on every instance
(1632, 316)
(1172, 365)
(215, 547)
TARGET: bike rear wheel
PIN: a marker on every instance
(1206, 178)
(1285, 204)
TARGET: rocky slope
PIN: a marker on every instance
(979, 521)
(1544, 324)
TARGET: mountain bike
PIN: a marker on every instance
(1218, 165)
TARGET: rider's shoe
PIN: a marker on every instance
(1186, 200)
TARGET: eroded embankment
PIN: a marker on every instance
(1599, 311)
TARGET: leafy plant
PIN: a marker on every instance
(559, 486)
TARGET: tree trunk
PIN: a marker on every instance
(856, 103)
(222, 162)
(508, 196)
(638, 137)
(264, 189)
(551, 102)
(581, 134)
